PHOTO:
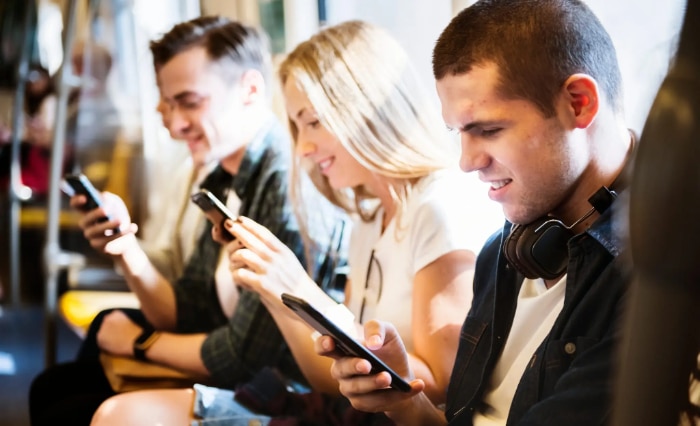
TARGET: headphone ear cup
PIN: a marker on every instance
(539, 249)
(513, 250)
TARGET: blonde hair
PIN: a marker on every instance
(365, 92)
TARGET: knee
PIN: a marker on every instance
(147, 407)
(120, 409)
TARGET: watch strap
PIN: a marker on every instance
(145, 340)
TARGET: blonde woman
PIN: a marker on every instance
(369, 139)
(372, 143)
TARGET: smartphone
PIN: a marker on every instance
(344, 343)
(81, 185)
(214, 210)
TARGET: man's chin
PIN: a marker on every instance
(518, 217)
(201, 158)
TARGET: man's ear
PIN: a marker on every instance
(582, 98)
(253, 85)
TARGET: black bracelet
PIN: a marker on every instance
(143, 342)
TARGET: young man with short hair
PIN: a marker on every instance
(213, 75)
(534, 90)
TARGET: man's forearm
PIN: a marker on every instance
(180, 351)
(154, 292)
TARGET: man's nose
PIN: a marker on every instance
(176, 122)
(473, 157)
(164, 110)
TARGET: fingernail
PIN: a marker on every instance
(326, 344)
(374, 341)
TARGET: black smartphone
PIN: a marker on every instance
(214, 210)
(344, 343)
(81, 185)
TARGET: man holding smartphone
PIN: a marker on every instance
(534, 90)
(213, 75)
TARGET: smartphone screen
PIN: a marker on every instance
(344, 342)
(214, 210)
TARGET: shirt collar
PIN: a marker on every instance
(219, 181)
(266, 140)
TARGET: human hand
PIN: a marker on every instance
(218, 234)
(372, 392)
(100, 232)
(117, 334)
(264, 264)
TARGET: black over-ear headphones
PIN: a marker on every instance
(539, 249)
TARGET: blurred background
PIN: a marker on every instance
(114, 135)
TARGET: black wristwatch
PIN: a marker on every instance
(144, 341)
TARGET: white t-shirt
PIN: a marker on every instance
(228, 294)
(535, 314)
(177, 224)
(448, 210)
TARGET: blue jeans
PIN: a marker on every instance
(217, 407)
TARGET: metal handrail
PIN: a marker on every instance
(55, 259)
(15, 192)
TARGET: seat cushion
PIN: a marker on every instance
(79, 307)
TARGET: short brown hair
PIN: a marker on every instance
(244, 46)
(536, 45)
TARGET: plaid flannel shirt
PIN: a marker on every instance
(238, 347)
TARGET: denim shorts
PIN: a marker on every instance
(217, 407)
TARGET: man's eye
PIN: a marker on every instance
(191, 104)
(490, 132)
